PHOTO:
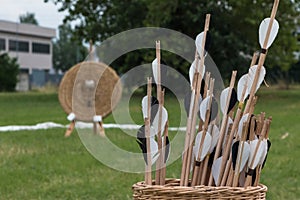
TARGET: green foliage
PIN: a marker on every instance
(28, 18)
(66, 51)
(234, 26)
(9, 69)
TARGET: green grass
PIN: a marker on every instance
(30, 108)
(44, 165)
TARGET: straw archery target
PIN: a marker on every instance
(89, 89)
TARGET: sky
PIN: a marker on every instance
(45, 13)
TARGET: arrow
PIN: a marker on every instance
(203, 140)
(147, 132)
(157, 77)
(223, 128)
(190, 131)
(268, 37)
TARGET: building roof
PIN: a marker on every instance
(27, 29)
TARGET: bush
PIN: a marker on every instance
(9, 69)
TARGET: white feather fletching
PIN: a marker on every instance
(223, 98)
(263, 28)
(242, 121)
(145, 106)
(243, 82)
(152, 131)
(206, 145)
(215, 133)
(251, 75)
(259, 154)
(154, 150)
(203, 107)
(164, 119)
(216, 167)
(265, 151)
(192, 71)
(154, 70)
(245, 155)
(198, 43)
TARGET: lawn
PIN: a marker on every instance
(43, 164)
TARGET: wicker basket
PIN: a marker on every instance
(172, 190)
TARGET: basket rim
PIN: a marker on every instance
(171, 183)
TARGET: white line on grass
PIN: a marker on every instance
(79, 125)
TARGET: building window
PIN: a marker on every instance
(40, 48)
(2, 44)
(20, 46)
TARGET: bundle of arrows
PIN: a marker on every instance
(230, 153)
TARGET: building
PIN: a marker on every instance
(32, 47)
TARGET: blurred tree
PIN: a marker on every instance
(9, 69)
(66, 51)
(28, 18)
(234, 26)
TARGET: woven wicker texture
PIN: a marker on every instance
(88, 89)
(172, 190)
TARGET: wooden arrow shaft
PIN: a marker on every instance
(159, 161)
(207, 116)
(148, 178)
(187, 139)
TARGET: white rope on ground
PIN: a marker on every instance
(79, 125)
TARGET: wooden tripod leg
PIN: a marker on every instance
(101, 129)
(95, 127)
(70, 129)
